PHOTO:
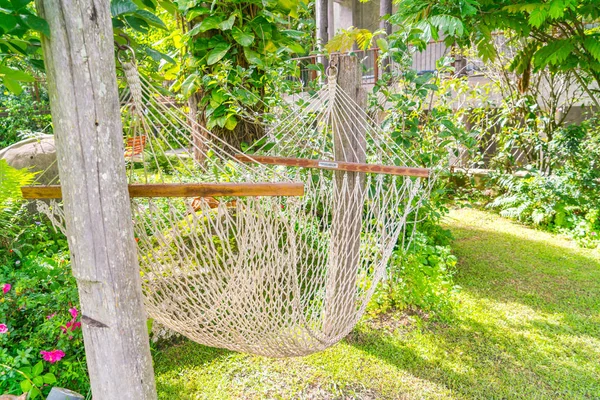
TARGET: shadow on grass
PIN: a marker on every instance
(530, 330)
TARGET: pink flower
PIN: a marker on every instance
(73, 312)
(51, 316)
(3, 328)
(6, 288)
(70, 326)
(52, 356)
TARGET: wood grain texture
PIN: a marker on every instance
(81, 76)
(185, 190)
(336, 165)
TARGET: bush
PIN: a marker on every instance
(41, 344)
(420, 277)
(24, 115)
(566, 200)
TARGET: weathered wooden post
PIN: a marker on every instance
(80, 68)
(349, 144)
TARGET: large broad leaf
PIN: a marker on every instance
(196, 12)
(170, 7)
(149, 3)
(150, 18)
(253, 57)
(119, 7)
(15, 74)
(217, 53)
(12, 85)
(157, 55)
(138, 24)
(19, 4)
(7, 22)
(228, 23)
(243, 38)
(206, 24)
(36, 23)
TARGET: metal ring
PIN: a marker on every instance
(331, 71)
(123, 50)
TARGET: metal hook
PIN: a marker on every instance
(122, 50)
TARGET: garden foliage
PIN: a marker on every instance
(567, 200)
(40, 332)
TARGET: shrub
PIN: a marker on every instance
(566, 200)
(24, 115)
(40, 334)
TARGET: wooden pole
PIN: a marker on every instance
(349, 144)
(322, 21)
(334, 165)
(385, 9)
(80, 66)
(257, 189)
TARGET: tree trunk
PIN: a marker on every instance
(348, 200)
(199, 136)
(80, 68)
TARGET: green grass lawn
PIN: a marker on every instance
(526, 326)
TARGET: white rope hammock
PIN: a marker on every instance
(270, 275)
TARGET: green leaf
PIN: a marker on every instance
(243, 38)
(150, 19)
(170, 7)
(151, 4)
(196, 12)
(382, 44)
(25, 385)
(13, 86)
(253, 57)
(553, 53)
(19, 4)
(36, 23)
(120, 7)
(557, 9)
(37, 370)
(448, 24)
(592, 45)
(189, 85)
(228, 23)
(231, 123)
(538, 17)
(7, 22)
(138, 24)
(157, 55)
(49, 378)
(206, 24)
(217, 53)
(38, 381)
(294, 34)
(34, 393)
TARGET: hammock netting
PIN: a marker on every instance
(270, 275)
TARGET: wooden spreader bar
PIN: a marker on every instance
(185, 190)
(335, 165)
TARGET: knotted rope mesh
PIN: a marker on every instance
(270, 275)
